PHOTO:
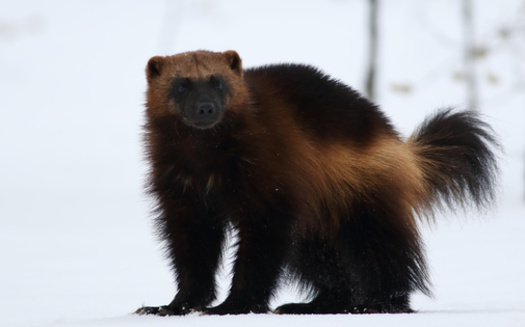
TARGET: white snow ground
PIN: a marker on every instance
(76, 244)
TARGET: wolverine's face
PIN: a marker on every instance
(196, 87)
(200, 102)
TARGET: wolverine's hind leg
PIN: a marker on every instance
(317, 264)
(386, 256)
(372, 265)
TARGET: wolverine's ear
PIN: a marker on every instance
(234, 60)
(154, 67)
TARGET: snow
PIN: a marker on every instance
(76, 242)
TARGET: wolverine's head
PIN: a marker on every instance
(197, 87)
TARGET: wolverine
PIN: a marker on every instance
(314, 180)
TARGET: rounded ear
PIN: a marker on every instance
(234, 60)
(154, 67)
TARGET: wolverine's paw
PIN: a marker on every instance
(308, 308)
(294, 308)
(230, 308)
(158, 311)
(163, 311)
(381, 308)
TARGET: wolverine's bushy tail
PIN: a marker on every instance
(456, 153)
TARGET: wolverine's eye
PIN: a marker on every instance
(182, 85)
(216, 82)
(180, 89)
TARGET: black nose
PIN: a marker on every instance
(205, 110)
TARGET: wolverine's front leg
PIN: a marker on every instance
(194, 242)
(262, 246)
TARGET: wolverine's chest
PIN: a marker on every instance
(182, 178)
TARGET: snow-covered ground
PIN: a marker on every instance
(76, 243)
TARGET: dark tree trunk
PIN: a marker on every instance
(469, 51)
(370, 83)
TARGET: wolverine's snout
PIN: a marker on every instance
(204, 115)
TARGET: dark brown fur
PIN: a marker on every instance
(311, 175)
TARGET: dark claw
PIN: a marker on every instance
(163, 311)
